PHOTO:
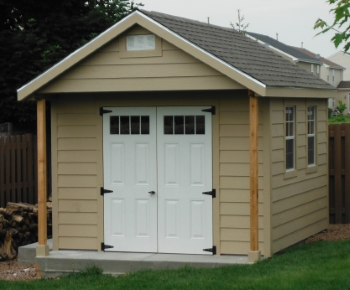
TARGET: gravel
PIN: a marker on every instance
(10, 270)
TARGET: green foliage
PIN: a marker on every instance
(240, 26)
(337, 119)
(330, 111)
(341, 106)
(340, 24)
(34, 35)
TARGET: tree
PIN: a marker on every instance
(240, 26)
(34, 35)
(340, 24)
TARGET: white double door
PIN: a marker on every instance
(158, 163)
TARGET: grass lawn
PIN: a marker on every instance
(322, 265)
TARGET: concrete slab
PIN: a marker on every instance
(64, 261)
(27, 254)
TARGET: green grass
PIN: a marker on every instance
(322, 265)
(339, 120)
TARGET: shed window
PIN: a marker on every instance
(290, 137)
(129, 125)
(184, 125)
(312, 68)
(311, 135)
(140, 42)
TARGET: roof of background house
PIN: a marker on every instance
(241, 52)
(344, 85)
(324, 60)
(284, 47)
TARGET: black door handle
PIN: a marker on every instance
(152, 192)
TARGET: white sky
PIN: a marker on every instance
(293, 20)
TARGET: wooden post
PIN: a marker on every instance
(254, 254)
(42, 248)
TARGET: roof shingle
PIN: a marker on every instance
(240, 52)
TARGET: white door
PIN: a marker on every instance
(129, 153)
(184, 173)
(168, 151)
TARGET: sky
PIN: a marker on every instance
(293, 20)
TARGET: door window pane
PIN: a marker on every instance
(189, 125)
(135, 125)
(144, 125)
(179, 125)
(168, 125)
(124, 125)
(200, 124)
(114, 125)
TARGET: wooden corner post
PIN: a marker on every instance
(254, 254)
(42, 248)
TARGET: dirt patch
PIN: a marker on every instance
(10, 270)
(335, 232)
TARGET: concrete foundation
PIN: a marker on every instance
(63, 261)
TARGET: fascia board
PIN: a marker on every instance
(300, 92)
(76, 56)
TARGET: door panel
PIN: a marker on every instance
(129, 150)
(184, 172)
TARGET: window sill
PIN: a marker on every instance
(290, 174)
(311, 169)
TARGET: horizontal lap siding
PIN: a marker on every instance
(300, 203)
(234, 176)
(107, 70)
(75, 169)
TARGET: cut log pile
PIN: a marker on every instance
(19, 227)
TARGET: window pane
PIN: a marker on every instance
(311, 150)
(290, 154)
(144, 125)
(135, 125)
(114, 124)
(124, 125)
(289, 113)
(189, 124)
(179, 125)
(200, 124)
(168, 125)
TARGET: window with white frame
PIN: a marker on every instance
(327, 74)
(311, 135)
(312, 68)
(140, 42)
(290, 137)
(333, 77)
(318, 70)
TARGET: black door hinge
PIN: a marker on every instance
(212, 250)
(212, 110)
(212, 193)
(103, 191)
(103, 111)
(103, 247)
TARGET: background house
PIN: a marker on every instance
(326, 69)
(156, 109)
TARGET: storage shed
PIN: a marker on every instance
(155, 125)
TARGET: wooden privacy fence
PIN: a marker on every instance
(18, 169)
(339, 173)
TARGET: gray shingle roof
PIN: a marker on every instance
(240, 52)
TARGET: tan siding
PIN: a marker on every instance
(77, 230)
(70, 218)
(299, 200)
(109, 70)
(234, 176)
(72, 205)
(79, 243)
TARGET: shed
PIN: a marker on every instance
(174, 136)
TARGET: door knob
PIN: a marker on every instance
(152, 192)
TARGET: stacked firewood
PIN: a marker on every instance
(19, 227)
